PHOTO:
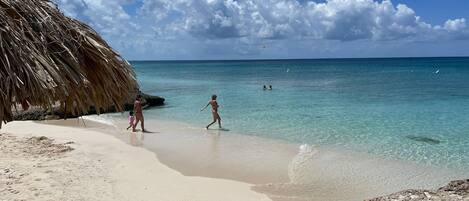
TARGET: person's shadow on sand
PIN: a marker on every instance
(145, 131)
(217, 129)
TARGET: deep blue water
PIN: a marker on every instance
(399, 108)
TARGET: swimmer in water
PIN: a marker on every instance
(216, 117)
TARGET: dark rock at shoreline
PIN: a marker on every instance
(423, 139)
(153, 100)
(455, 191)
(147, 101)
(36, 113)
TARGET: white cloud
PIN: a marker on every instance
(342, 20)
(107, 17)
(455, 25)
(242, 22)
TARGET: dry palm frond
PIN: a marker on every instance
(48, 58)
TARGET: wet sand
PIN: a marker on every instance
(283, 171)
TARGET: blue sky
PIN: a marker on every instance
(276, 29)
(438, 11)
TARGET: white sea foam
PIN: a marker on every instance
(102, 119)
(297, 167)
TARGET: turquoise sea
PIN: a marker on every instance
(404, 108)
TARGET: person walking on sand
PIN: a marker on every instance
(131, 120)
(138, 113)
(216, 116)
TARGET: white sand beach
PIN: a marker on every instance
(100, 167)
(178, 162)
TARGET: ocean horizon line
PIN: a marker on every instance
(299, 59)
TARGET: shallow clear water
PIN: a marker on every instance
(398, 108)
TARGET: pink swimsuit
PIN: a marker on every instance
(131, 120)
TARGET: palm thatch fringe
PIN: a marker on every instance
(47, 58)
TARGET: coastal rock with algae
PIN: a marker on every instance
(38, 113)
(455, 191)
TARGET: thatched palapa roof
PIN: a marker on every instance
(47, 58)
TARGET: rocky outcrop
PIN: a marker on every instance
(36, 113)
(455, 191)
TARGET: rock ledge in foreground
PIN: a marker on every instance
(455, 191)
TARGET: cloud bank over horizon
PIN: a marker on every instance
(246, 29)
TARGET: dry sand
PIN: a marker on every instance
(85, 164)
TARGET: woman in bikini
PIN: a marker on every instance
(138, 114)
(216, 116)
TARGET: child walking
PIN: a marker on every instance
(131, 120)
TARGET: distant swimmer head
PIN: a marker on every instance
(265, 87)
(214, 97)
(270, 87)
